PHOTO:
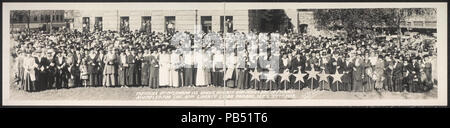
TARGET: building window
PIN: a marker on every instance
(206, 22)
(42, 18)
(86, 24)
(98, 24)
(124, 24)
(35, 18)
(226, 24)
(169, 24)
(146, 25)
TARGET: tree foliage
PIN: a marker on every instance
(357, 21)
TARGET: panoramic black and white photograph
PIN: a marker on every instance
(223, 54)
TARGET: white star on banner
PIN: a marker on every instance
(337, 76)
(285, 76)
(255, 75)
(312, 74)
(323, 76)
(299, 76)
(271, 76)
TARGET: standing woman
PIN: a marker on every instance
(188, 68)
(145, 72)
(52, 71)
(100, 67)
(427, 70)
(30, 68)
(243, 75)
(154, 70)
(379, 73)
(20, 69)
(131, 61)
(41, 73)
(71, 70)
(368, 82)
(263, 66)
(218, 74)
(388, 72)
(92, 68)
(358, 75)
(84, 75)
(174, 67)
(201, 62)
(230, 71)
(122, 68)
(110, 71)
(398, 75)
(164, 75)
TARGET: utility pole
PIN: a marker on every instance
(51, 21)
(29, 16)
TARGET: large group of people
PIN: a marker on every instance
(261, 61)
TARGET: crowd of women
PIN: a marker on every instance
(261, 61)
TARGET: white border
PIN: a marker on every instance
(442, 53)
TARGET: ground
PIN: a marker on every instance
(101, 93)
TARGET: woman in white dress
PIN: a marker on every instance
(231, 66)
(164, 65)
(174, 66)
(201, 60)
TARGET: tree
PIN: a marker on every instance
(363, 21)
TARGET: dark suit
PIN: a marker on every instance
(42, 75)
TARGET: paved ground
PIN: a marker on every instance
(132, 93)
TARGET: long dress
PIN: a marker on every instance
(92, 69)
(388, 72)
(379, 72)
(20, 71)
(164, 75)
(368, 81)
(347, 80)
(428, 73)
(154, 71)
(71, 71)
(29, 74)
(174, 66)
(242, 73)
(132, 68)
(398, 77)
(122, 69)
(358, 74)
(145, 72)
(188, 69)
(200, 59)
(218, 73)
(229, 74)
